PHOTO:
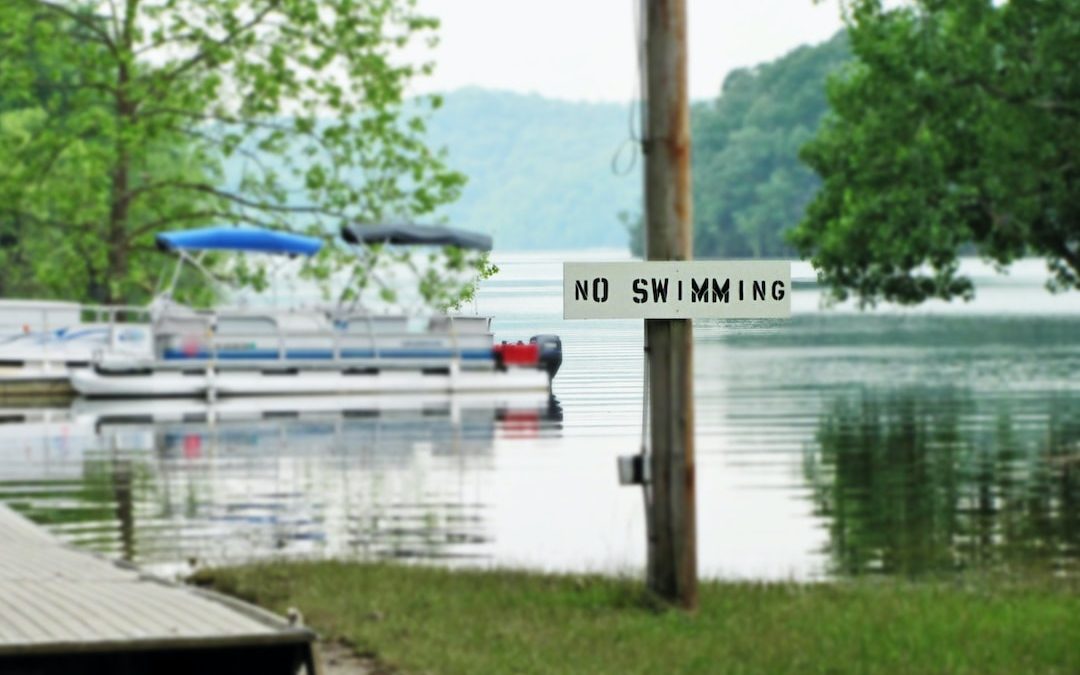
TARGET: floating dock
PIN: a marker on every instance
(72, 612)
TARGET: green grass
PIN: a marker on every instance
(426, 620)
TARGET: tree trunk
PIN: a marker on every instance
(116, 232)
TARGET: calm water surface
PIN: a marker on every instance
(834, 444)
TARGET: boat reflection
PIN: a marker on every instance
(159, 482)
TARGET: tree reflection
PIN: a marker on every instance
(919, 481)
(96, 508)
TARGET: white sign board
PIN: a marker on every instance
(706, 289)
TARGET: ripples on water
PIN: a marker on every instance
(833, 444)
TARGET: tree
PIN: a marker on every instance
(956, 128)
(156, 114)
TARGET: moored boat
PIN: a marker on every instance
(246, 352)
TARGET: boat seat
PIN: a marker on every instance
(461, 325)
(379, 325)
(303, 322)
(246, 325)
(183, 324)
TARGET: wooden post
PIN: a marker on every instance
(672, 555)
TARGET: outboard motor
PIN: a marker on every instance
(554, 410)
(550, 347)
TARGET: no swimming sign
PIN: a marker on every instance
(704, 289)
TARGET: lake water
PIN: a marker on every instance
(838, 443)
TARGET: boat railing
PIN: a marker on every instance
(337, 335)
(115, 316)
(111, 313)
(47, 316)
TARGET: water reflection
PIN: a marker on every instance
(917, 481)
(190, 482)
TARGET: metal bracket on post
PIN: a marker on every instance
(634, 470)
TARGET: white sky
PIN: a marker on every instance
(584, 49)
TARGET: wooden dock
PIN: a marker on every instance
(67, 611)
(30, 388)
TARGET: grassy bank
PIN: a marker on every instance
(420, 619)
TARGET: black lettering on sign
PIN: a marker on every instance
(778, 290)
(641, 291)
(759, 290)
(581, 289)
(699, 293)
(600, 289)
(720, 293)
(680, 290)
(740, 290)
(659, 290)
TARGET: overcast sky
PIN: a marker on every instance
(584, 49)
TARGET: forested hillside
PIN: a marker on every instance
(539, 170)
(540, 176)
(749, 184)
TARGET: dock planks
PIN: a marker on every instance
(63, 610)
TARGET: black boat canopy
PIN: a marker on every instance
(415, 235)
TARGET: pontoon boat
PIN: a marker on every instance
(243, 351)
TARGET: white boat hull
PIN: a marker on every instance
(94, 383)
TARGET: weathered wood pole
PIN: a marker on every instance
(672, 555)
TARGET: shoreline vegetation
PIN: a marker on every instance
(409, 618)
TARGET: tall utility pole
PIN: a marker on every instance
(672, 557)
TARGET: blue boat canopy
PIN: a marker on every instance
(251, 239)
